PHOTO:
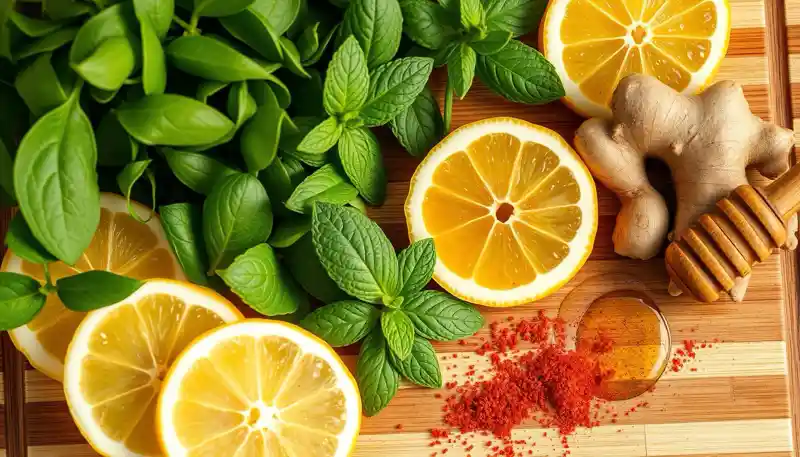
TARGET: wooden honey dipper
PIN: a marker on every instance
(744, 228)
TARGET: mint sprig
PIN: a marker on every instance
(392, 309)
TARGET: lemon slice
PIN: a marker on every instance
(511, 208)
(595, 43)
(120, 354)
(120, 245)
(278, 391)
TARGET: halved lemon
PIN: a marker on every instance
(120, 355)
(120, 245)
(595, 43)
(278, 391)
(511, 208)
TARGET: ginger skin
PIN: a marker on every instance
(707, 141)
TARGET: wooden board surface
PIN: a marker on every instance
(739, 402)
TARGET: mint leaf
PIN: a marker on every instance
(493, 43)
(516, 16)
(183, 225)
(322, 137)
(471, 13)
(420, 126)
(95, 289)
(421, 367)
(362, 161)
(20, 300)
(290, 140)
(377, 379)
(347, 79)
(324, 185)
(394, 87)
(289, 230)
(441, 317)
(261, 282)
(355, 253)
(461, 69)
(280, 179)
(399, 332)
(520, 74)
(302, 260)
(342, 323)
(22, 242)
(416, 266)
(427, 23)
(378, 27)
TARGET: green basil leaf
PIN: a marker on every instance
(20, 300)
(236, 216)
(114, 147)
(520, 74)
(308, 43)
(102, 96)
(378, 27)
(416, 266)
(420, 126)
(48, 43)
(39, 86)
(219, 8)
(109, 65)
(281, 14)
(159, 14)
(209, 58)
(472, 13)
(307, 270)
(359, 205)
(115, 21)
(323, 45)
(6, 173)
(322, 137)
(241, 105)
(461, 70)
(324, 185)
(443, 55)
(128, 177)
(355, 253)
(261, 282)
(290, 141)
(154, 64)
(32, 27)
(65, 9)
(362, 161)
(347, 79)
(183, 226)
(493, 43)
(254, 30)
(399, 332)
(519, 17)
(208, 88)
(427, 23)
(21, 241)
(173, 120)
(289, 231)
(291, 58)
(421, 367)
(196, 171)
(377, 379)
(60, 201)
(442, 317)
(264, 91)
(260, 136)
(95, 289)
(342, 323)
(6, 10)
(280, 179)
(394, 87)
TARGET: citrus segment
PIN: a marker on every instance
(537, 182)
(595, 43)
(458, 176)
(121, 245)
(290, 395)
(119, 356)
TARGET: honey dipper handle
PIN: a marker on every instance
(784, 193)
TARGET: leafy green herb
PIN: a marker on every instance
(154, 66)
(492, 43)
(212, 59)
(183, 226)
(420, 126)
(521, 74)
(157, 13)
(394, 87)
(378, 27)
(109, 65)
(461, 69)
(261, 135)
(95, 289)
(280, 179)
(377, 380)
(280, 13)
(302, 260)
(33, 27)
(258, 279)
(421, 367)
(471, 13)
(197, 171)
(342, 323)
(438, 316)
(22, 242)
(516, 16)
(416, 264)
(48, 43)
(39, 86)
(362, 161)
(322, 137)
(289, 231)
(324, 185)
(128, 177)
(219, 8)
(253, 29)
(399, 332)
(291, 58)
(20, 300)
(347, 80)
(427, 23)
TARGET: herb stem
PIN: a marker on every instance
(448, 106)
(185, 25)
(193, 24)
(48, 280)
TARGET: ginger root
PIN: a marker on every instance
(707, 141)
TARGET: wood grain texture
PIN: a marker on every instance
(737, 403)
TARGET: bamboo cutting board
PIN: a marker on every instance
(740, 400)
